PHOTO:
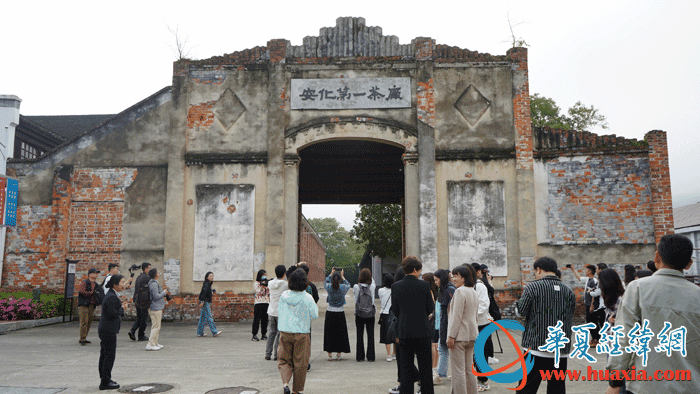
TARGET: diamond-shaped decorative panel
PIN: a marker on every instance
(228, 109)
(472, 105)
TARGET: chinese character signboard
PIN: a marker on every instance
(351, 93)
(9, 189)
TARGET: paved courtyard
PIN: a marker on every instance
(46, 360)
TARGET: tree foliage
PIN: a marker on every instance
(341, 249)
(545, 112)
(379, 227)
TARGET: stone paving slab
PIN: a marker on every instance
(51, 357)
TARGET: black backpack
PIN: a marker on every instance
(365, 303)
(143, 295)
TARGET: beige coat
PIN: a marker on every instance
(461, 320)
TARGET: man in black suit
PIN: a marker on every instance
(412, 303)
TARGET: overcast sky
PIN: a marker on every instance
(636, 61)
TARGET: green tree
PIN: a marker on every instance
(545, 112)
(379, 227)
(584, 118)
(341, 249)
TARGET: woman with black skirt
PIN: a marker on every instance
(110, 322)
(385, 337)
(335, 328)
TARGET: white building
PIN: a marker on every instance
(687, 222)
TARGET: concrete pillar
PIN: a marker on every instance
(425, 100)
(174, 204)
(412, 198)
(9, 119)
(277, 121)
(291, 209)
(524, 164)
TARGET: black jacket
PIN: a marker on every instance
(112, 312)
(206, 293)
(412, 302)
(444, 300)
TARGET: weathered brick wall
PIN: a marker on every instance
(85, 223)
(521, 112)
(599, 199)
(312, 251)
(661, 199)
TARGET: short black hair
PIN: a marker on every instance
(305, 268)
(651, 266)
(675, 250)
(558, 273)
(546, 264)
(411, 264)
(387, 280)
(280, 271)
(111, 265)
(144, 266)
(290, 270)
(477, 267)
(114, 280)
(642, 274)
(591, 268)
(298, 281)
(153, 272)
(467, 272)
(601, 266)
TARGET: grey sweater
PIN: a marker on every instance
(157, 296)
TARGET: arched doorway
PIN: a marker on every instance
(358, 161)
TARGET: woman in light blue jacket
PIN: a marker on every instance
(296, 310)
(155, 311)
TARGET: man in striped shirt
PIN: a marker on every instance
(544, 303)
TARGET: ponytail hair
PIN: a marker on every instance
(335, 279)
(114, 280)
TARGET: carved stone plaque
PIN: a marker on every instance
(351, 93)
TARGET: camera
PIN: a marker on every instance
(133, 268)
(168, 297)
(568, 266)
(264, 282)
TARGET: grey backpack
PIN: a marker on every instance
(364, 307)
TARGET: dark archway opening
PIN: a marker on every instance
(351, 172)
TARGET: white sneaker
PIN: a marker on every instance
(149, 347)
(159, 346)
(388, 359)
(395, 389)
(493, 360)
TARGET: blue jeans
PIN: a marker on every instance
(205, 317)
(444, 353)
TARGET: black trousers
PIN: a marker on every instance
(108, 352)
(488, 352)
(260, 316)
(362, 324)
(534, 378)
(597, 317)
(141, 322)
(420, 348)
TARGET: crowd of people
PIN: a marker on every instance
(431, 319)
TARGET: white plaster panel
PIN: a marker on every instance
(477, 224)
(224, 237)
(541, 202)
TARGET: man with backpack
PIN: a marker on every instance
(142, 300)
